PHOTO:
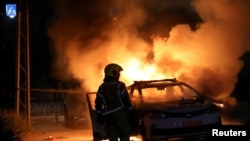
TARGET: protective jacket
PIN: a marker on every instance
(112, 96)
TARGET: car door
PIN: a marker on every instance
(97, 129)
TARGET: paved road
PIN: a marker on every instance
(53, 129)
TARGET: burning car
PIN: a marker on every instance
(164, 109)
(170, 108)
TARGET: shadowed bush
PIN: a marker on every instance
(11, 127)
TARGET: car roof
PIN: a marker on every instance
(141, 84)
(156, 83)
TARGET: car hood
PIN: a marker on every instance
(175, 107)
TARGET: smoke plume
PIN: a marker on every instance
(197, 41)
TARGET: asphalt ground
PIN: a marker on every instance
(53, 128)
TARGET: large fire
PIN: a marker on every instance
(137, 70)
(85, 40)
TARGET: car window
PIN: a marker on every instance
(165, 94)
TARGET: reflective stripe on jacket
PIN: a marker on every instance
(112, 96)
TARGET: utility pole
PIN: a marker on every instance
(23, 62)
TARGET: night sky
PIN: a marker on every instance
(42, 14)
(40, 56)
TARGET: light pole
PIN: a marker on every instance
(23, 61)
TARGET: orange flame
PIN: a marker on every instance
(137, 70)
(207, 57)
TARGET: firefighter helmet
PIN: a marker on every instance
(112, 70)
